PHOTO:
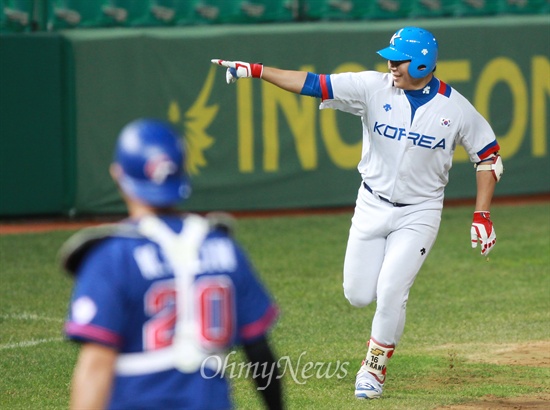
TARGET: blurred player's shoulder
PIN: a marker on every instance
(218, 248)
(221, 222)
(77, 246)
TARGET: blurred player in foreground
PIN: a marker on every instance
(160, 296)
(412, 122)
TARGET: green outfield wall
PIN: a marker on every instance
(32, 157)
(251, 145)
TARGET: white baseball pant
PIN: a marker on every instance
(387, 245)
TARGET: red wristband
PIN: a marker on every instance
(256, 70)
(480, 216)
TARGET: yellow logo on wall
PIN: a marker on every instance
(195, 122)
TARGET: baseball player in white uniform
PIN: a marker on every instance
(412, 122)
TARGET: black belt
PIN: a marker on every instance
(368, 188)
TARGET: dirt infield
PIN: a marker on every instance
(40, 226)
(519, 354)
(535, 402)
(32, 225)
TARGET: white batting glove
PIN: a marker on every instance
(239, 69)
(482, 230)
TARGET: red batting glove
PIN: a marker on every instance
(482, 230)
(239, 69)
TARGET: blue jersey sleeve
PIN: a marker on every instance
(317, 85)
(96, 312)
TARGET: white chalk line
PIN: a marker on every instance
(32, 342)
(31, 316)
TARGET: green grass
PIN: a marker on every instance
(460, 303)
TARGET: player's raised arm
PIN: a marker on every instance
(288, 80)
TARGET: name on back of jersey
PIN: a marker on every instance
(216, 255)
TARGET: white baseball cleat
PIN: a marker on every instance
(366, 386)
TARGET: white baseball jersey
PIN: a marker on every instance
(408, 141)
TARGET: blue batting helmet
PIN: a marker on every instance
(414, 44)
(152, 160)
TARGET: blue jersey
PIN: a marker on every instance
(126, 297)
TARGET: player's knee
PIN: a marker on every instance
(357, 298)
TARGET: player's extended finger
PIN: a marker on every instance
(223, 63)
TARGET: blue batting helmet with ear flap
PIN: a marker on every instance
(416, 45)
(151, 158)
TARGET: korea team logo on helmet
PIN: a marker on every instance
(159, 167)
(151, 160)
(396, 35)
(416, 45)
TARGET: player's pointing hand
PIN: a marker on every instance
(239, 69)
